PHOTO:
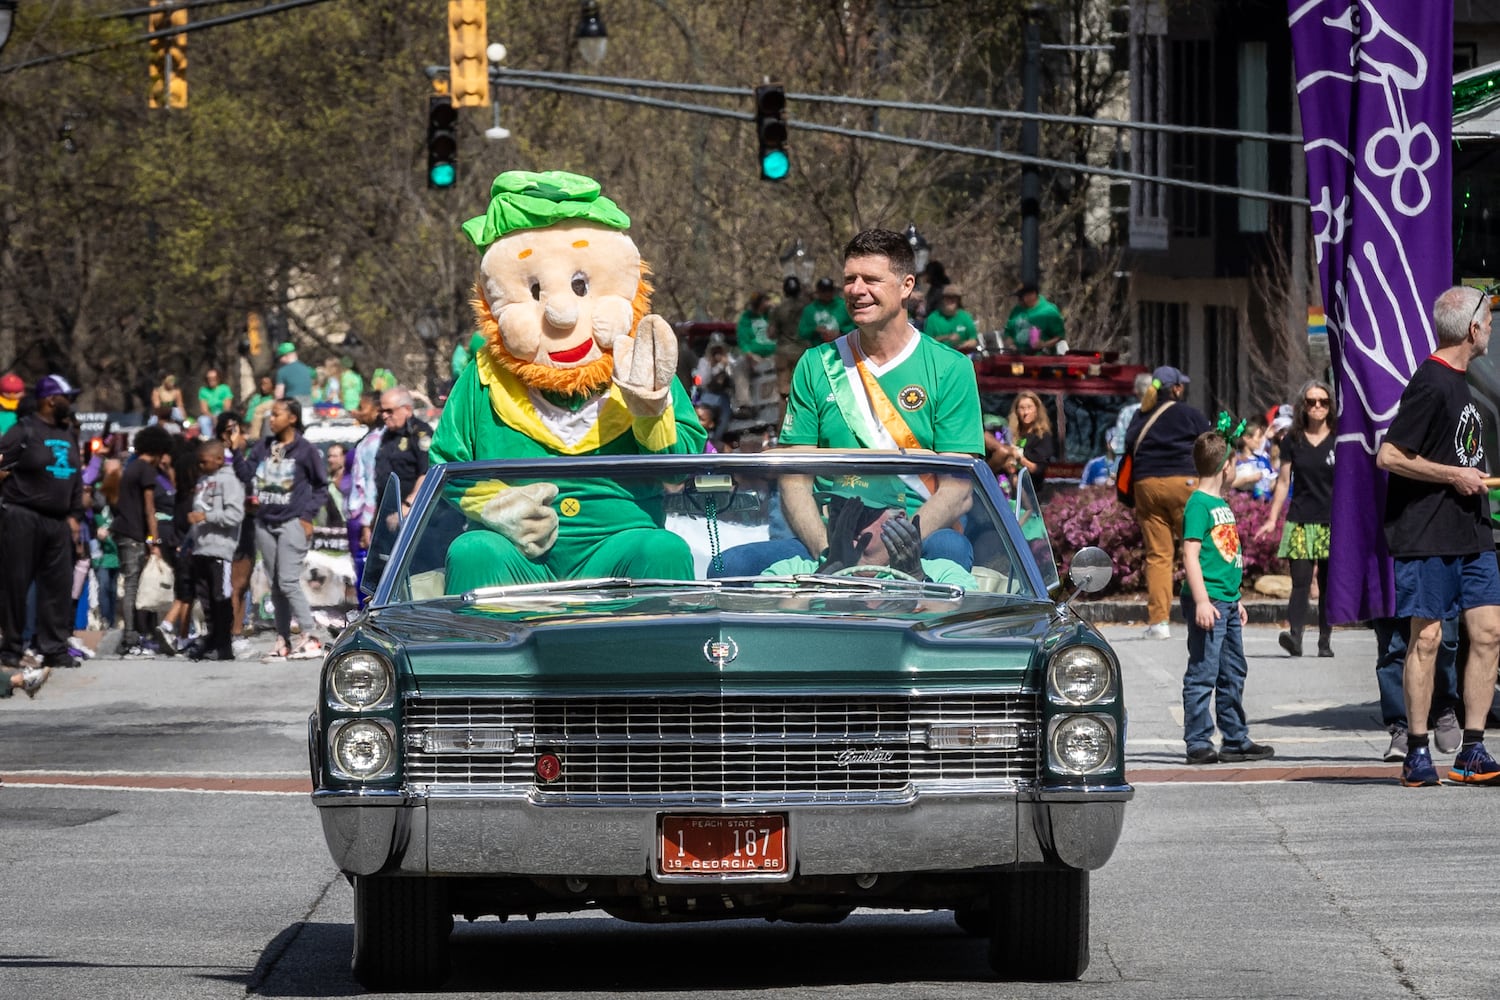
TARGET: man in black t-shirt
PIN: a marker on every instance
(1437, 528)
(42, 498)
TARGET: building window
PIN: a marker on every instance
(1191, 156)
(1148, 103)
(1163, 334)
(1253, 154)
(1221, 357)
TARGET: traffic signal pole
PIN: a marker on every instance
(1031, 182)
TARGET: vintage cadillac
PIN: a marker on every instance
(658, 702)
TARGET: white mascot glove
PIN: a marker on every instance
(523, 514)
(645, 365)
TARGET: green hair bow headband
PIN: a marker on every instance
(521, 199)
(1223, 426)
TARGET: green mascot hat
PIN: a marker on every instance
(521, 199)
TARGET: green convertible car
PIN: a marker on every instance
(781, 685)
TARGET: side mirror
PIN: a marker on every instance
(1090, 571)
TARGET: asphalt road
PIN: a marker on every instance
(1313, 875)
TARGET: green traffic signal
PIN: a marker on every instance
(770, 132)
(774, 165)
(442, 142)
(442, 175)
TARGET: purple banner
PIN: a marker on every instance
(1374, 82)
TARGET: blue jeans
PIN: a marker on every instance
(1216, 669)
(752, 558)
(1390, 662)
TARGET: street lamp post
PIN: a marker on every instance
(592, 38)
(7, 19)
(921, 252)
(797, 263)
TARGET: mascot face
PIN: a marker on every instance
(562, 295)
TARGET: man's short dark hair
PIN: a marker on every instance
(883, 243)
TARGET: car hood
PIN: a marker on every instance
(711, 641)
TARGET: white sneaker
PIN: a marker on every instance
(1161, 630)
(32, 679)
(241, 646)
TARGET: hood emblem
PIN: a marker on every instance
(720, 651)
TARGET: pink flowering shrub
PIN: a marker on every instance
(1092, 516)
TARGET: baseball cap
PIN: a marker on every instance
(1027, 286)
(55, 385)
(953, 292)
(284, 348)
(11, 384)
(791, 287)
(824, 285)
(1167, 375)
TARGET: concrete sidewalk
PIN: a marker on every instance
(1318, 712)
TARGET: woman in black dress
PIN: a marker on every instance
(1307, 472)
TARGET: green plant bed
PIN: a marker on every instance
(1092, 516)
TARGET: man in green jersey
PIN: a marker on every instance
(952, 324)
(1034, 326)
(884, 386)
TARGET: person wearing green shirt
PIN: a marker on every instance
(951, 325)
(753, 332)
(294, 379)
(826, 317)
(351, 386)
(884, 386)
(1034, 326)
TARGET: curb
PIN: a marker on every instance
(1128, 612)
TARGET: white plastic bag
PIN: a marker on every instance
(155, 590)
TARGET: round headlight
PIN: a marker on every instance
(1081, 744)
(360, 679)
(1080, 675)
(362, 749)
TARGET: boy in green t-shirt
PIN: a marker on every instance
(1211, 604)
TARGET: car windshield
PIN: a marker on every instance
(800, 524)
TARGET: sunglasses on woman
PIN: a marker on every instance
(1321, 401)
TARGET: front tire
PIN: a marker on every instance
(1041, 928)
(401, 930)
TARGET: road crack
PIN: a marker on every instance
(1283, 841)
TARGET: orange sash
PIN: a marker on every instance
(885, 411)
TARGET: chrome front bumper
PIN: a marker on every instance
(510, 835)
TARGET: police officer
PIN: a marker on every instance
(403, 446)
(42, 499)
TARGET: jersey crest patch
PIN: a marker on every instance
(913, 397)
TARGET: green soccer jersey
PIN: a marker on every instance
(955, 330)
(1208, 519)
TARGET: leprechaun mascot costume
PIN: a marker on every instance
(573, 364)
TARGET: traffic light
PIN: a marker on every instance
(168, 59)
(770, 132)
(468, 69)
(442, 142)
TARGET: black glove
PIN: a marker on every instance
(903, 544)
(845, 547)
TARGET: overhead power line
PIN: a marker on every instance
(184, 29)
(947, 109)
(167, 6)
(530, 81)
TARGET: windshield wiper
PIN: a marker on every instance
(824, 582)
(573, 586)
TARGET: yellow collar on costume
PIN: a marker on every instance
(512, 401)
(9, 404)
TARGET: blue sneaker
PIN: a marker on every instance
(1474, 766)
(1417, 770)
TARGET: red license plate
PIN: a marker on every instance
(722, 845)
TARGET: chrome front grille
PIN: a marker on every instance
(708, 749)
